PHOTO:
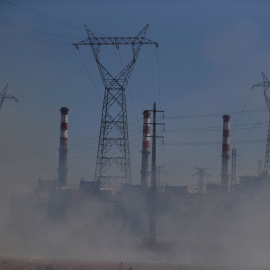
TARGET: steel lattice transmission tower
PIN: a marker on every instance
(4, 95)
(201, 176)
(233, 176)
(266, 84)
(114, 128)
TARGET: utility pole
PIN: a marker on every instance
(266, 84)
(152, 225)
(233, 177)
(113, 157)
(201, 176)
(4, 95)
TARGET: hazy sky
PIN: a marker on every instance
(210, 54)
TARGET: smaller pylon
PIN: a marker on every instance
(201, 176)
(160, 170)
(233, 177)
(3, 96)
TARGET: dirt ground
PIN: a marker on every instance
(29, 264)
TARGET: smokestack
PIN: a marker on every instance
(145, 172)
(225, 169)
(62, 168)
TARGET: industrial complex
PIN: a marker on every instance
(112, 198)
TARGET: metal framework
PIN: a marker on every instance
(152, 223)
(266, 84)
(160, 170)
(4, 95)
(114, 128)
(201, 176)
(233, 177)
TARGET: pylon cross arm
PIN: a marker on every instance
(98, 41)
(265, 83)
(8, 96)
(115, 41)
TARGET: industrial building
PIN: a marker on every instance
(112, 198)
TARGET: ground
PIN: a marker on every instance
(38, 264)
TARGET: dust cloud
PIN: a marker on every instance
(216, 229)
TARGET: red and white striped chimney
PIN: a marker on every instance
(225, 169)
(62, 168)
(145, 172)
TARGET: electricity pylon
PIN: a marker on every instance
(201, 176)
(233, 176)
(266, 84)
(4, 95)
(113, 146)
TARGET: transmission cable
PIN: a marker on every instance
(35, 40)
(243, 108)
(218, 128)
(213, 143)
(252, 129)
(213, 114)
(158, 78)
(34, 30)
(90, 76)
(41, 15)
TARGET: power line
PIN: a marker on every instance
(248, 161)
(218, 128)
(158, 80)
(34, 30)
(240, 114)
(213, 143)
(114, 12)
(213, 114)
(93, 145)
(251, 131)
(35, 40)
(35, 123)
(90, 77)
(96, 137)
(153, 78)
(41, 15)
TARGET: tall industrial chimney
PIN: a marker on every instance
(145, 172)
(62, 168)
(225, 167)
